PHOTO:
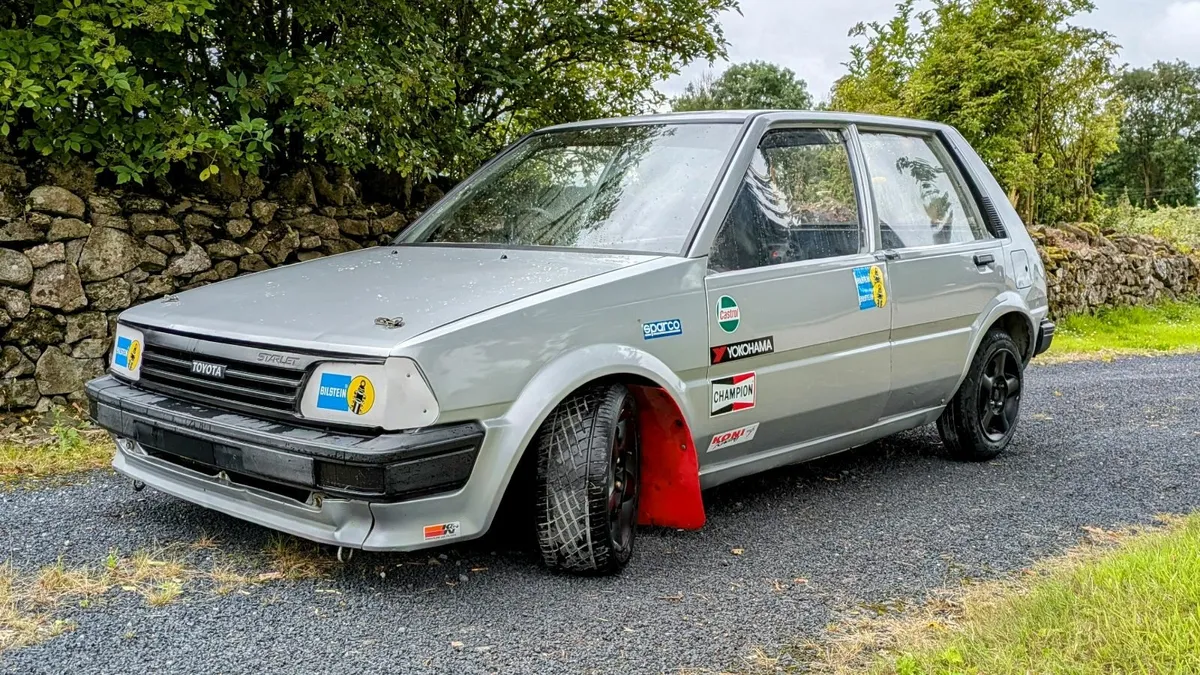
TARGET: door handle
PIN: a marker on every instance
(983, 259)
(887, 254)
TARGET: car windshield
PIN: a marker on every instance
(630, 188)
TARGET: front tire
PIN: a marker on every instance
(588, 461)
(980, 420)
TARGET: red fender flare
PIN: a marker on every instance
(670, 469)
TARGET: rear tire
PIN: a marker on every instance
(588, 461)
(979, 422)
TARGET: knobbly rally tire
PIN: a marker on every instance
(588, 456)
(980, 420)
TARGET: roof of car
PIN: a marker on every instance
(742, 116)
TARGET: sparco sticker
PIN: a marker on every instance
(733, 437)
(732, 394)
(661, 329)
(741, 350)
(729, 315)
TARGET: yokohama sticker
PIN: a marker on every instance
(741, 350)
(732, 394)
(733, 437)
(443, 531)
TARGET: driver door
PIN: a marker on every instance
(798, 325)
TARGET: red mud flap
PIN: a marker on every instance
(670, 471)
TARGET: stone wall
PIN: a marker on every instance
(72, 259)
(1087, 269)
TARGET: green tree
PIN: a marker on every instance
(1031, 92)
(422, 88)
(746, 86)
(1158, 156)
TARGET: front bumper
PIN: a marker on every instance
(1045, 336)
(366, 491)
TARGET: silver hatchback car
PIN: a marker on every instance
(605, 319)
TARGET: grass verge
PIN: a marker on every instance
(57, 444)
(31, 605)
(1168, 328)
(1125, 602)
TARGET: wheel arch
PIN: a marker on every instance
(670, 464)
(1009, 312)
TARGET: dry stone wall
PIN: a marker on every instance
(72, 258)
(1087, 269)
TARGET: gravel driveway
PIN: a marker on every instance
(1099, 444)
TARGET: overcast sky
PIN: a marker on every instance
(810, 36)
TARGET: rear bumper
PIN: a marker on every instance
(1045, 336)
(376, 492)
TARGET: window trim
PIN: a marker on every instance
(863, 198)
(950, 164)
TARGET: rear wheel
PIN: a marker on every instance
(981, 419)
(589, 456)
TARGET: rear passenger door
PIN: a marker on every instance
(944, 266)
(796, 352)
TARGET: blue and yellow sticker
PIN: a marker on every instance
(872, 291)
(128, 353)
(345, 393)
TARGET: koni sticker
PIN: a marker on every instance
(729, 315)
(346, 393)
(733, 437)
(652, 330)
(733, 394)
(741, 350)
(872, 290)
(442, 531)
(128, 353)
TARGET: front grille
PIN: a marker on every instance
(251, 387)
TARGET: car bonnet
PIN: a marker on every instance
(371, 300)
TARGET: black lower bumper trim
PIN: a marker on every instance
(383, 467)
(1045, 336)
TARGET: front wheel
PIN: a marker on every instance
(980, 420)
(588, 460)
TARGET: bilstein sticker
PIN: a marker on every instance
(872, 291)
(741, 350)
(729, 315)
(732, 394)
(128, 353)
(442, 531)
(661, 329)
(345, 393)
(733, 437)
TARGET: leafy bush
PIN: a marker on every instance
(1179, 225)
(416, 87)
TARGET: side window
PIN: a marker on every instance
(796, 202)
(920, 202)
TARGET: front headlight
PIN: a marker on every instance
(127, 352)
(393, 395)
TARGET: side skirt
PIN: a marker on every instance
(739, 467)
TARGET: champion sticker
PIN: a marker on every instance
(345, 393)
(741, 350)
(732, 394)
(442, 531)
(660, 329)
(128, 353)
(733, 437)
(729, 315)
(872, 291)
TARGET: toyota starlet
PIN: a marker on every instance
(604, 320)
